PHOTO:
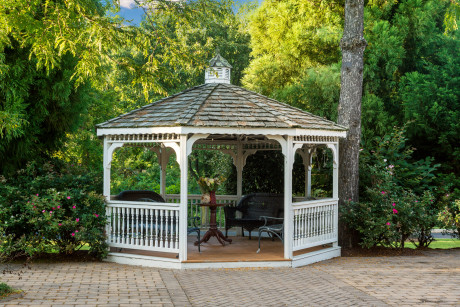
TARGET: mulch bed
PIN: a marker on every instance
(381, 252)
(77, 256)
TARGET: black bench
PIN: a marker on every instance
(140, 195)
(252, 207)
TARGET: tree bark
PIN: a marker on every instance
(349, 110)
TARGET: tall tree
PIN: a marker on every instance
(289, 37)
(349, 110)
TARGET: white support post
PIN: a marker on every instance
(182, 154)
(162, 177)
(288, 211)
(306, 158)
(109, 148)
(308, 176)
(163, 158)
(239, 171)
(106, 163)
(335, 185)
(335, 174)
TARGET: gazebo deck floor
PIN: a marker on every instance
(240, 250)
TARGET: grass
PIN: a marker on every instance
(6, 290)
(439, 243)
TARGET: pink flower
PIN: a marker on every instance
(68, 197)
(388, 223)
(59, 207)
(43, 211)
(51, 212)
(393, 204)
(35, 207)
(416, 201)
(96, 215)
(383, 192)
(395, 211)
(77, 220)
(76, 230)
(37, 194)
(52, 208)
(60, 224)
(73, 234)
(74, 207)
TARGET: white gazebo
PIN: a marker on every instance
(238, 122)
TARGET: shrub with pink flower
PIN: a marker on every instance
(51, 211)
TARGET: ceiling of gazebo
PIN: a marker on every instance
(220, 105)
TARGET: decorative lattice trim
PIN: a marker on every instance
(315, 139)
(143, 137)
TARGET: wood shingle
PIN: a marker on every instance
(220, 105)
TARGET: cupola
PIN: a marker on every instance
(219, 70)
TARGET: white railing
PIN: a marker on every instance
(143, 225)
(195, 210)
(315, 223)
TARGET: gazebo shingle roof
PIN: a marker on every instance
(220, 105)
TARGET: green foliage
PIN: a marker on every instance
(45, 208)
(36, 108)
(48, 49)
(389, 218)
(411, 70)
(397, 203)
(288, 37)
(138, 169)
(5, 290)
(317, 91)
(264, 172)
(197, 28)
(392, 153)
(412, 75)
(183, 38)
(450, 216)
(210, 163)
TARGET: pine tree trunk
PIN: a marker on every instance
(349, 111)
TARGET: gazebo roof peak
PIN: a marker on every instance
(219, 61)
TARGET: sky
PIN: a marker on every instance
(130, 11)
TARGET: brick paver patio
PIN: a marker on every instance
(430, 280)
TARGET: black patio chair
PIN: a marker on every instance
(272, 229)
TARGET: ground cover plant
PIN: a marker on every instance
(6, 290)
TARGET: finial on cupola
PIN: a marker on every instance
(219, 70)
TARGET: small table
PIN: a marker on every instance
(213, 231)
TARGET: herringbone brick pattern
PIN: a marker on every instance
(430, 280)
(90, 284)
(270, 287)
